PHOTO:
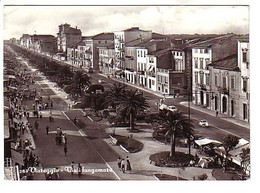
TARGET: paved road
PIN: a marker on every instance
(85, 145)
(218, 129)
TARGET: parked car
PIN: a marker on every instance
(203, 123)
(170, 108)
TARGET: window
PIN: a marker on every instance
(196, 62)
(207, 79)
(196, 77)
(216, 80)
(138, 53)
(224, 79)
(232, 82)
(152, 82)
(206, 50)
(166, 80)
(195, 50)
(202, 78)
(201, 63)
(244, 56)
(245, 85)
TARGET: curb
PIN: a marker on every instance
(156, 177)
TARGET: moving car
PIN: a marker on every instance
(101, 81)
(172, 108)
(203, 123)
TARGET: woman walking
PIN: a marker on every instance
(119, 163)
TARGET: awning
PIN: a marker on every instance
(206, 141)
(9, 76)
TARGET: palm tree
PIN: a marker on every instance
(176, 124)
(113, 94)
(81, 79)
(131, 102)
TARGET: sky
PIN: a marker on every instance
(92, 20)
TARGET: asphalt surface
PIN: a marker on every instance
(218, 129)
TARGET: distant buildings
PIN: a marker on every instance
(213, 69)
(67, 37)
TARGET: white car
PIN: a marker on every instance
(172, 108)
(101, 81)
(203, 123)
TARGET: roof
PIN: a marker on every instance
(103, 36)
(206, 141)
(158, 36)
(210, 42)
(134, 42)
(108, 46)
(149, 42)
(228, 63)
(160, 52)
(135, 29)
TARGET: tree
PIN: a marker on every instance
(245, 158)
(131, 102)
(176, 125)
(229, 142)
(113, 94)
(81, 79)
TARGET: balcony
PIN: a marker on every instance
(129, 57)
(223, 90)
(141, 72)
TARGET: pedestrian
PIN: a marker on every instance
(65, 150)
(65, 138)
(40, 115)
(123, 165)
(36, 125)
(72, 167)
(216, 113)
(79, 170)
(47, 130)
(75, 120)
(50, 118)
(119, 163)
(128, 164)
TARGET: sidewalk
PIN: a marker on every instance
(141, 168)
(221, 116)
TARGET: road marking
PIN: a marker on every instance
(92, 146)
(90, 118)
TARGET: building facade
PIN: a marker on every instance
(67, 37)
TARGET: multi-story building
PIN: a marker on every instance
(26, 40)
(244, 65)
(67, 37)
(225, 84)
(107, 59)
(46, 44)
(125, 36)
(142, 49)
(204, 53)
(85, 54)
(229, 82)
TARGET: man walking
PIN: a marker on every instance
(47, 130)
(216, 113)
(72, 168)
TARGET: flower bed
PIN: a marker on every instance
(163, 159)
(129, 144)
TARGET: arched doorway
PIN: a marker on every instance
(224, 104)
(216, 103)
(232, 108)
